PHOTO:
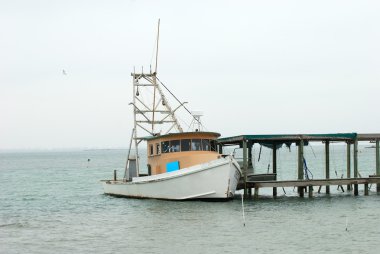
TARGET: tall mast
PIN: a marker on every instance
(158, 37)
(155, 76)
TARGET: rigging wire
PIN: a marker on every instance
(177, 100)
(145, 94)
(270, 156)
(312, 150)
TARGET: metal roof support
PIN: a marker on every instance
(377, 163)
(348, 164)
(300, 166)
(356, 191)
(327, 164)
(274, 166)
(245, 166)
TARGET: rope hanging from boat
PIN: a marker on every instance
(261, 147)
(306, 169)
(335, 166)
(270, 155)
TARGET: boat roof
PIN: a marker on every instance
(178, 134)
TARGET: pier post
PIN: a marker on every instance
(115, 175)
(256, 193)
(327, 164)
(300, 166)
(356, 158)
(274, 167)
(310, 191)
(356, 166)
(245, 166)
(366, 189)
(348, 164)
(250, 165)
(377, 163)
(220, 149)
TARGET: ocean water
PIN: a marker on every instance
(52, 202)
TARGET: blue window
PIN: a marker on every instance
(172, 166)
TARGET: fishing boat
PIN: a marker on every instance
(181, 165)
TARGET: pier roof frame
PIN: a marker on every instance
(368, 136)
(283, 138)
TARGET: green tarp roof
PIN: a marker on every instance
(289, 137)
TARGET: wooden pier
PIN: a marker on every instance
(257, 181)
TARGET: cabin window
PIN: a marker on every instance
(185, 145)
(205, 144)
(151, 149)
(158, 148)
(213, 145)
(174, 146)
(165, 147)
(196, 145)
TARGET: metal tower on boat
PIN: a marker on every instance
(152, 113)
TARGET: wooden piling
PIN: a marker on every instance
(366, 189)
(356, 158)
(377, 163)
(301, 191)
(115, 175)
(348, 164)
(356, 187)
(274, 167)
(327, 164)
(310, 191)
(256, 193)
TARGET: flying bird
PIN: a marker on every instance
(64, 72)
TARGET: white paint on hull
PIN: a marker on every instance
(213, 180)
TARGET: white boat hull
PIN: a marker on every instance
(213, 180)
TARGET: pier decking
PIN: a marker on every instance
(252, 181)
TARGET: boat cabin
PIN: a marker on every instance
(175, 151)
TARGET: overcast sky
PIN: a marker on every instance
(253, 67)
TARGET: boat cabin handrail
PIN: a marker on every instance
(182, 142)
(182, 145)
